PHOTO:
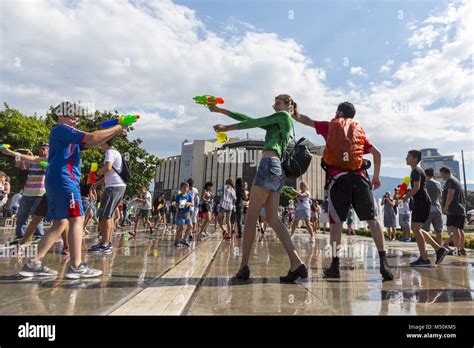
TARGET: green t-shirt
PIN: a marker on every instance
(277, 125)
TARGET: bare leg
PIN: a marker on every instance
(271, 216)
(49, 239)
(377, 234)
(258, 196)
(75, 239)
(65, 237)
(30, 230)
(220, 218)
(309, 227)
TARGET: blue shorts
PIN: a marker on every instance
(270, 174)
(180, 222)
(63, 204)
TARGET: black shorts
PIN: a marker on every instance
(420, 212)
(205, 208)
(457, 221)
(42, 207)
(351, 189)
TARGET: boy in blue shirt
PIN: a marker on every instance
(63, 193)
(184, 201)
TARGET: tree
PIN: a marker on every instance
(21, 131)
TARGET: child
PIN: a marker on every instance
(185, 201)
(421, 212)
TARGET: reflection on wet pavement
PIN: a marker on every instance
(150, 276)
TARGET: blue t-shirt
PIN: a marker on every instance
(181, 199)
(64, 162)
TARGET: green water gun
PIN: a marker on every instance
(208, 100)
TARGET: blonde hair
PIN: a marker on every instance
(288, 100)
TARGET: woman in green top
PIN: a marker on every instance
(268, 181)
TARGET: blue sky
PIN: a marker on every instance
(406, 65)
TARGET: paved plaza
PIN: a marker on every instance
(150, 276)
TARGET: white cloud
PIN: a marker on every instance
(423, 37)
(425, 102)
(357, 70)
(387, 66)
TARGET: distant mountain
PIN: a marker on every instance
(389, 183)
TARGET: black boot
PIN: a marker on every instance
(301, 271)
(243, 273)
(333, 270)
(385, 269)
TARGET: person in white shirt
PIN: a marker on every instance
(226, 206)
(404, 219)
(144, 211)
(14, 204)
(113, 193)
(195, 209)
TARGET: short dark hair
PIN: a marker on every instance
(416, 154)
(208, 185)
(111, 141)
(429, 172)
(445, 170)
(183, 184)
(66, 109)
(347, 109)
(191, 182)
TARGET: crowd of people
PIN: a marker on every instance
(60, 193)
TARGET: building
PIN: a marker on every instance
(207, 160)
(431, 158)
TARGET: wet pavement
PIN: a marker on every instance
(150, 276)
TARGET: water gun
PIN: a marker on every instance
(208, 100)
(289, 191)
(92, 178)
(221, 137)
(403, 186)
(4, 146)
(43, 164)
(126, 120)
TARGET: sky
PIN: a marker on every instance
(405, 65)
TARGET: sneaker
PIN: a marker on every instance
(420, 263)
(38, 270)
(332, 271)
(440, 255)
(190, 236)
(385, 269)
(83, 271)
(185, 243)
(16, 241)
(96, 248)
(65, 251)
(463, 252)
(176, 243)
(107, 249)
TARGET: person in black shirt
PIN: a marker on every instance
(420, 212)
(454, 207)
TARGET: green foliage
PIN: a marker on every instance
(21, 131)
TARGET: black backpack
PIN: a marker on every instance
(125, 173)
(296, 161)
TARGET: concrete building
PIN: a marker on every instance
(433, 159)
(207, 160)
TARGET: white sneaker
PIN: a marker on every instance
(83, 271)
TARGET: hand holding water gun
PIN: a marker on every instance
(126, 120)
(403, 187)
(290, 191)
(43, 164)
(4, 146)
(92, 179)
(208, 100)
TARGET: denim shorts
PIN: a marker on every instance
(270, 174)
(180, 222)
